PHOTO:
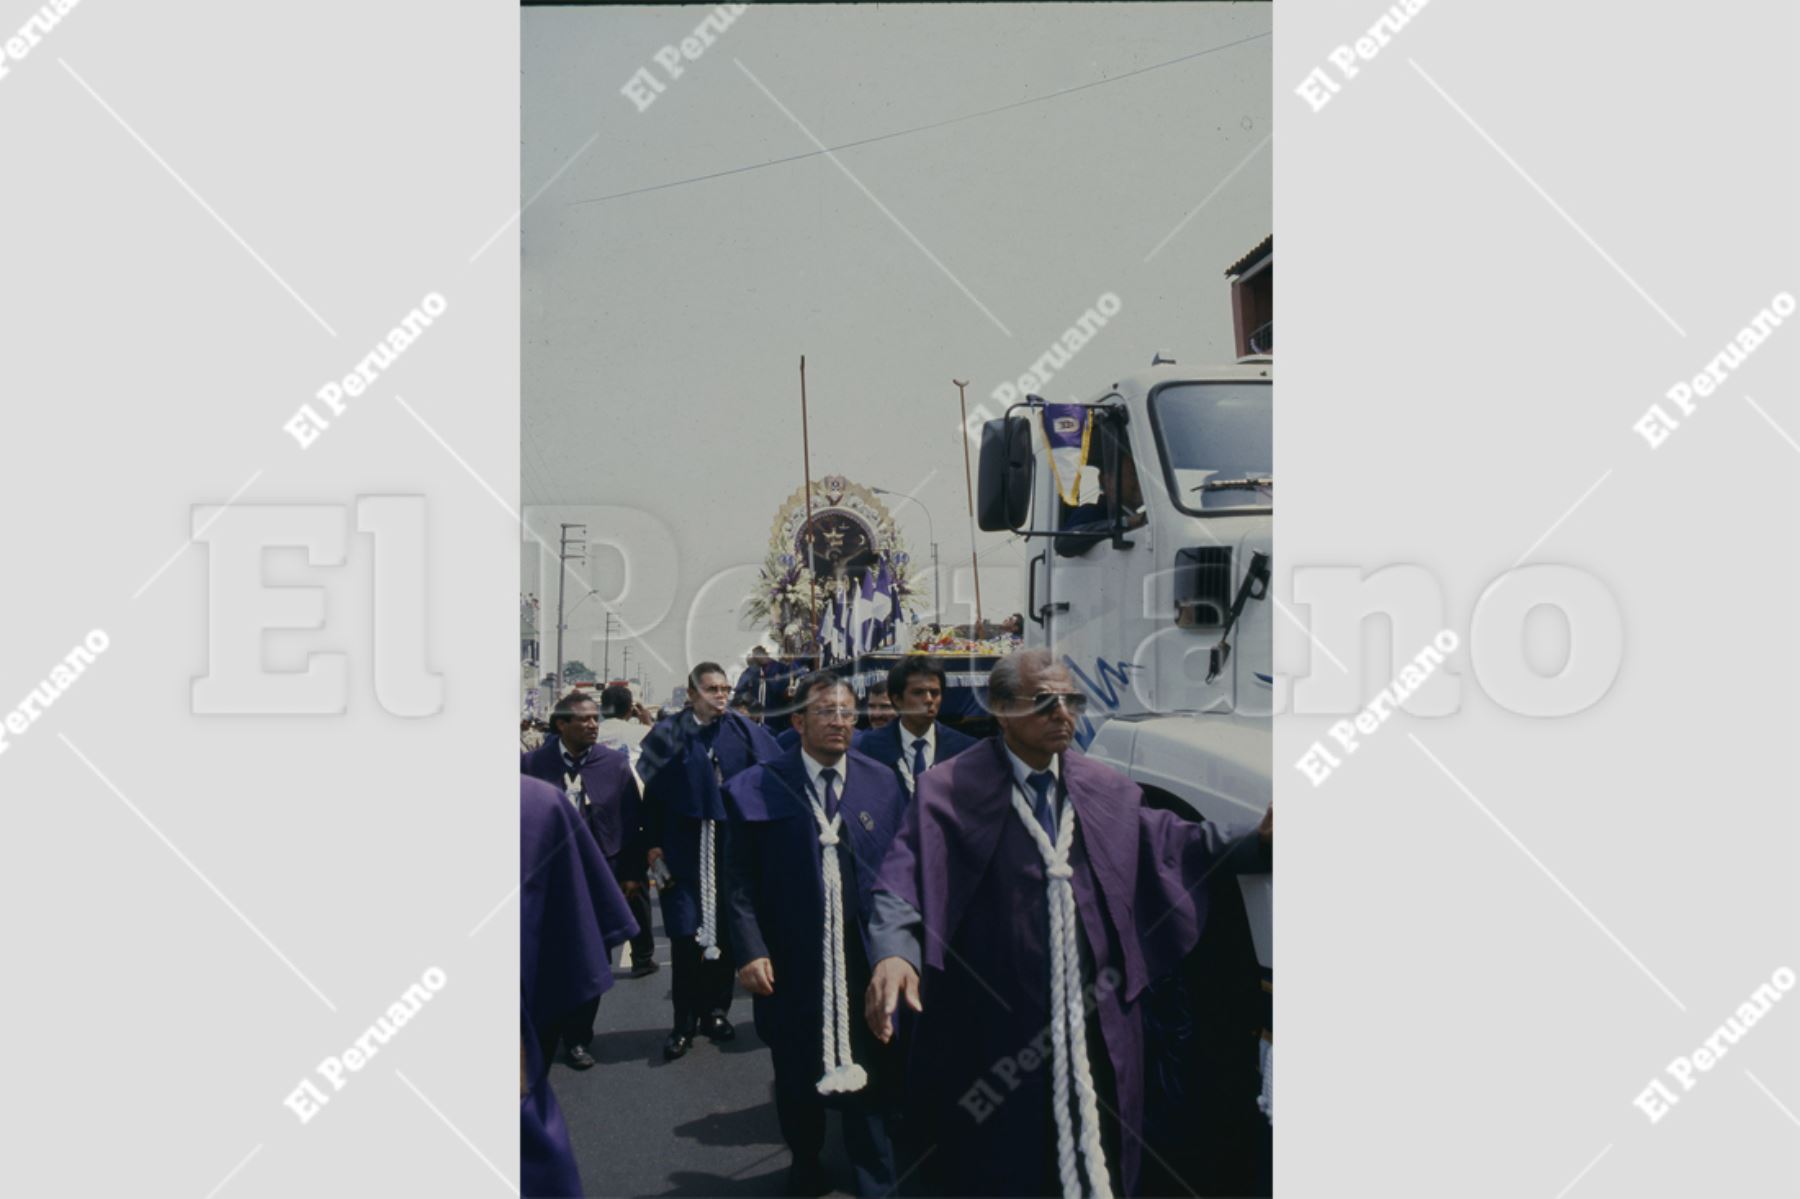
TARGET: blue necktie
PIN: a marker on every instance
(831, 795)
(1041, 783)
(918, 757)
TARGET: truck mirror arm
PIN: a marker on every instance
(1254, 586)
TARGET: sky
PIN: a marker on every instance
(662, 330)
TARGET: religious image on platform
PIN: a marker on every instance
(863, 855)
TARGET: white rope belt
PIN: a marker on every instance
(1068, 1014)
(709, 890)
(841, 1072)
(709, 884)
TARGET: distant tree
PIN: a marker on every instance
(576, 671)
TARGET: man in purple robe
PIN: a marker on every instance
(685, 763)
(599, 783)
(571, 916)
(812, 829)
(1027, 902)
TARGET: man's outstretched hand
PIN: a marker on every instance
(893, 977)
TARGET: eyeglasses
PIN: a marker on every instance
(1045, 702)
(834, 715)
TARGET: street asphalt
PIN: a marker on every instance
(703, 1125)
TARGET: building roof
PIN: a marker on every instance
(1264, 249)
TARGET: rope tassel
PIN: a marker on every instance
(842, 1074)
(709, 891)
(1068, 1014)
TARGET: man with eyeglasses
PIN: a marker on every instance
(811, 830)
(685, 763)
(1027, 902)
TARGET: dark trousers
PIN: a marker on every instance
(699, 987)
(578, 1028)
(643, 946)
(866, 1137)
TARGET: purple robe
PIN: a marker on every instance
(974, 873)
(571, 915)
(613, 812)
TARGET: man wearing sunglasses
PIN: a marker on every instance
(1027, 902)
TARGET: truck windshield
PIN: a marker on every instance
(1216, 442)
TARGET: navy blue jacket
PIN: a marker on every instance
(775, 893)
(887, 743)
(681, 790)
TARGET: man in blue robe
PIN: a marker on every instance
(798, 925)
(1028, 887)
(571, 916)
(686, 760)
(914, 743)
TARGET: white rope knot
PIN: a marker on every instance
(842, 1074)
(1068, 1014)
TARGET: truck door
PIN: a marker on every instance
(1091, 603)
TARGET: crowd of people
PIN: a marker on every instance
(947, 940)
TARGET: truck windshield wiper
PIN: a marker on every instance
(1257, 482)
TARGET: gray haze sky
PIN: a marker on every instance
(662, 331)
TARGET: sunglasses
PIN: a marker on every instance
(1045, 702)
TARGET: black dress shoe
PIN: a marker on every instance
(644, 968)
(717, 1028)
(677, 1045)
(807, 1178)
(580, 1058)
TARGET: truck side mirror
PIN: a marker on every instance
(1005, 492)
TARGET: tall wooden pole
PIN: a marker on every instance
(968, 482)
(812, 573)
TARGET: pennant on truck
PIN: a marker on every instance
(1067, 429)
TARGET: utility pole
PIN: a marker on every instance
(937, 592)
(625, 664)
(562, 571)
(606, 661)
(968, 482)
(812, 571)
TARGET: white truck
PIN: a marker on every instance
(1158, 605)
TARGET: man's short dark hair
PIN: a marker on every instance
(818, 679)
(615, 702)
(565, 707)
(701, 671)
(908, 667)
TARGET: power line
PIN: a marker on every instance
(882, 137)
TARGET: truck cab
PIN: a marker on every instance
(1151, 585)
(1148, 575)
